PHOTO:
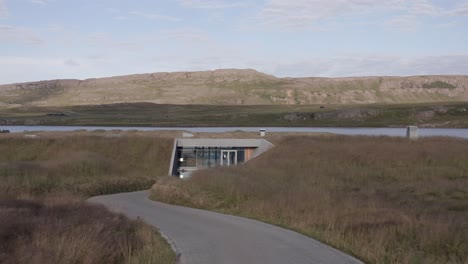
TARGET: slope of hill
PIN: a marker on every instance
(235, 87)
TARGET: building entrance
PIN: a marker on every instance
(228, 157)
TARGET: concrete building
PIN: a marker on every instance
(190, 155)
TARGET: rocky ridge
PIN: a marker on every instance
(234, 87)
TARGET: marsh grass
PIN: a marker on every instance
(65, 230)
(384, 200)
(43, 184)
(85, 165)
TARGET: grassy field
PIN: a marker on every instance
(146, 114)
(384, 200)
(44, 184)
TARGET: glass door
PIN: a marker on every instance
(228, 157)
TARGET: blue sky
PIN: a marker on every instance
(50, 39)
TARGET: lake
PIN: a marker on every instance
(398, 132)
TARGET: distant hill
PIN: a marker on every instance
(234, 87)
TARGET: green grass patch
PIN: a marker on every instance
(438, 84)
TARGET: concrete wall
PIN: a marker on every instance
(263, 147)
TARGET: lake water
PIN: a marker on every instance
(398, 132)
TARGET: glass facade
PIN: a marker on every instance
(190, 159)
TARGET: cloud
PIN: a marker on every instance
(305, 13)
(21, 35)
(14, 67)
(106, 40)
(56, 67)
(300, 14)
(423, 7)
(375, 65)
(40, 2)
(461, 10)
(72, 63)
(116, 13)
(186, 34)
(337, 66)
(40, 68)
(154, 16)
(120, 17)
(446, 25)
(211, 4)
(404, 23)
(3, 9)
(112, 10)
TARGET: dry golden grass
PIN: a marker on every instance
(43, 215)
(85, 165)
(62, 229)
(384, 200)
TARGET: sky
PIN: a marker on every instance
(79, 39)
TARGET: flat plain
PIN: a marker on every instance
(448, 114)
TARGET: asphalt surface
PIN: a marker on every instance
(205, 237)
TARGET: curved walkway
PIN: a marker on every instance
(211, 238)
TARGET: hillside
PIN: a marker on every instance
(235, 87)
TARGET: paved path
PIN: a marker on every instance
(211, 238)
